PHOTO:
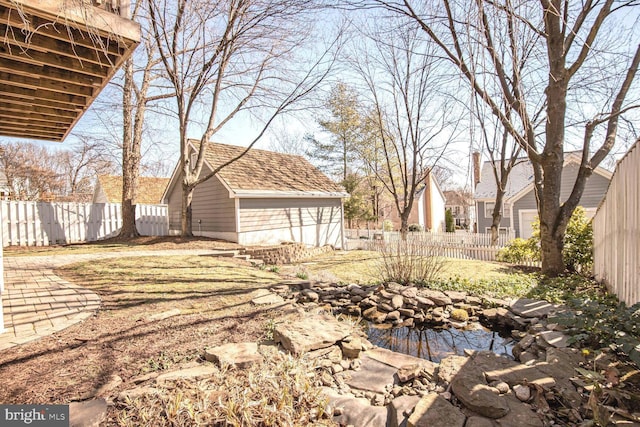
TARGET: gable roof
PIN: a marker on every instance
(520, 179)
(261, 172)
(150, 189)
(458, 198)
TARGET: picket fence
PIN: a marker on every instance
(451, 245)
(616, 231)
(42, 224)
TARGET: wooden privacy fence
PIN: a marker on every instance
(42, 224)
(616, 231)
(452, 245)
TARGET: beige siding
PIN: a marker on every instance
(310, 221)
(616, 231)
(211, 205)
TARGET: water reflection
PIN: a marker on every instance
(436, 344)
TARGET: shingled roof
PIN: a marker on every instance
(261, 171)
(150, 189)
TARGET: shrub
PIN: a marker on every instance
(415, 228)
(519, 251)
(409, 262)
(449, 221)
(577, 251)
(578, 243)
(387, 225)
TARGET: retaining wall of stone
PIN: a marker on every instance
(286, 253)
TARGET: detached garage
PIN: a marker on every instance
(263, 198)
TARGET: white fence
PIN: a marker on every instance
(616, 231)
(452, 245)
(43, 224)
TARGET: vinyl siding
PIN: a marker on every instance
(485, 222)
(311, 221)
(211, 205)
(593, 193)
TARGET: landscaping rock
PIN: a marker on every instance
(520, 414)
(373, 375)
(409, 372)
(433, 410)
(393, 316)
(266, 298)
(112, 383)
(355, 411)
(90, 413)
(241, 355)
(522, 392)
(310, 333)
(397, 301)
(470, 388)
(409, 292)
(456, 296)
(526, 307)
(476, 421)
(439, 298)
(450, 366)
(193, 373)
(138, 392)
(400, 409)
(398, 360)
(351, 349)
(552, 339)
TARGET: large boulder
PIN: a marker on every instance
(310, 333)
(434, 410)
(240, 355)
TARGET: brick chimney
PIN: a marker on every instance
(476, 168)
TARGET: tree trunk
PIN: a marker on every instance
(496, 217)
(130, 158)
(404, 224)
(187, 220)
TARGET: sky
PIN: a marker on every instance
(243, 129)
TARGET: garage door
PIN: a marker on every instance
(526, 219)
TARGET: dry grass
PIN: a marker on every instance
(116, 244)
(278, 393)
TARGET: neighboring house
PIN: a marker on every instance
(108, 189)
(262, 198)
(519, 208)
(461, 204)
(428, 208)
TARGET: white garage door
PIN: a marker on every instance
(526, 219)
(527, 216)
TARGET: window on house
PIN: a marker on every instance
(506, 210)
(194, 160)
(488, 209)
(501, 230)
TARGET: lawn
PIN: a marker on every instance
(362, 267)
(212, 294)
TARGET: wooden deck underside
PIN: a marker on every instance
(54, 61)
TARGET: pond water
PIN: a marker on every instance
(435, 344)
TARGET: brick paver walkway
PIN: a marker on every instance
(38, 303)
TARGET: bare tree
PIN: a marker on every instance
(226, 57)
(138, 92)
(31, 171)
(571, 60)
(410, 118)
(79, 166)
(504, 155)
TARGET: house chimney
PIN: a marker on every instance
(476, 168)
